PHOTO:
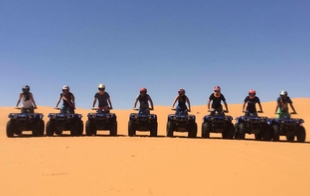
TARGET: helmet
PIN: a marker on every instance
(252, 93)
(101, 86)
(181, 91)
(143, 90)
(26, 88)
(217, 88)
(283, 93)
(66, 88)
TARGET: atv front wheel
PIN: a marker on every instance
(89, 128)
(49, 128)
(242, 131)
(169, 130)
(113, 128)
(153, 131)
(192, 133)
(131, 128)
(205, 130)
(301, 134)
(10, 129)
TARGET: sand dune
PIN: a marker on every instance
(154, 166)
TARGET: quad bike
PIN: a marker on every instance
(217, 123)
(59, 122)
(182, 122)
(253, 124)
(101, 120)
(142, 121)
(25, 121)
(289, 127)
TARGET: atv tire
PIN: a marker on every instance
(169, 130)
(242, 130)
(205, 130)
(10, 129)
(90, 129)
(131, 128)
(113, 128)
(301, 134)
(49, 128)
(154, 129)
(192, 132)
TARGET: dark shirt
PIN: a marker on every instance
(251, 104)
(283, 103)
(67, 95)
(143, 100)
(102, 99)
(182, 100)
(216, 101)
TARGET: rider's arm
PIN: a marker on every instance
(243, 106)
(151, 102)
(260, 106)
(135, 103)
(58, 101)
(189, 104)
(278, 105)
(175, 100)
(291, 104)
(18, 101)
(73, 100)
(209, 104)
(33, 102)
(94, 102)
(110, 104)
(226, 105)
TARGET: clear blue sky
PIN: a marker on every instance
(162, 45)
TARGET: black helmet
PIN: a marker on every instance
(26, 88)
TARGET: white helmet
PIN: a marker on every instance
(283, 93)
(101, 86)
(66, 88)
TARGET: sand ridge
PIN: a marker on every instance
(160, 166)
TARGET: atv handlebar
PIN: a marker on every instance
(176, 109)
(211, 110)
(103, 109)
(289, 113)
(138, 109)
(250, 112)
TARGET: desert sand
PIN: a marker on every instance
(103, 165)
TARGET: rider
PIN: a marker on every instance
(68, 100)
(144, 100)
(250, 101)
(28, 102)
(216, 99)
(182, 100)
(282, 105)
(104, 102)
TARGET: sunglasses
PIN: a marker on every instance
(101, 89)
(252, 94)
(217, 91)
(64, 90)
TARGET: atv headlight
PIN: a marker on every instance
(14, 116)
(150, 117)
(107, 116)
(189, 118)
(136, 116)
(212, 118)
(69, 117)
